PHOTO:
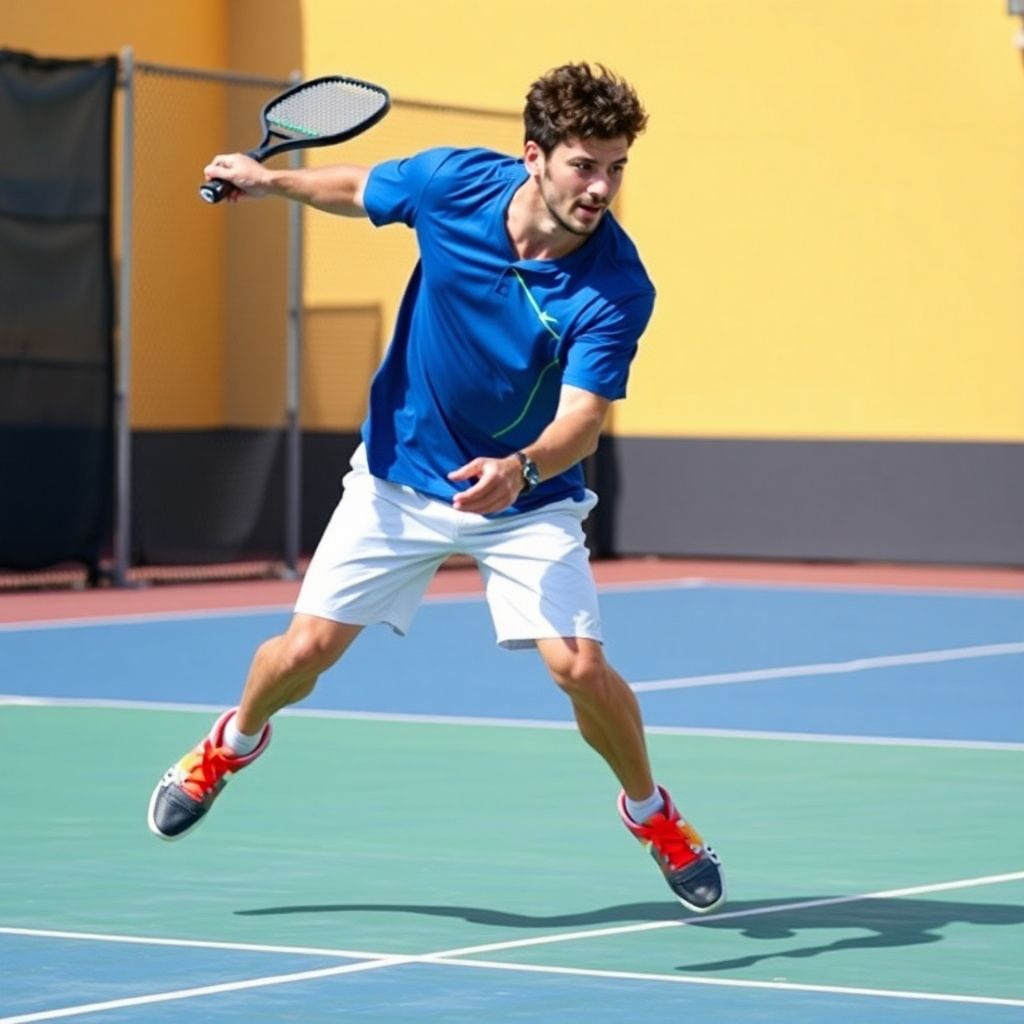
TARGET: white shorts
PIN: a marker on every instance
(385, 541)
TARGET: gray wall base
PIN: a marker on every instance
(943, 503)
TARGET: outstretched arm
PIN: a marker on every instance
(336, 189)
(569, 438)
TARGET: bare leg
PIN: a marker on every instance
(606, 709)
(285, 669)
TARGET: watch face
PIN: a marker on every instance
(531, 475)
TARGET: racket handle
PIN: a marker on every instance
(216, 190)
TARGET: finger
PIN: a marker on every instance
(475, 498)
(471, 493)
(488, 495)
(470, 469)
(480, 504)
(221, 162)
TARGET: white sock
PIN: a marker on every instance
(239, 742)
(641, 810)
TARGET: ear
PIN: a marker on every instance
(533, 158)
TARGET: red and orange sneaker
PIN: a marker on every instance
(187, 790)
(690, 866)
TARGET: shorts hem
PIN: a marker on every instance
(516, 643)
(349, 620)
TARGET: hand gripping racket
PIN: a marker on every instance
(320, 112)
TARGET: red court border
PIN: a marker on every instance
(34, 606)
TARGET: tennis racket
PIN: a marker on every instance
(320, 112)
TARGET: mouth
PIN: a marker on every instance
(590, 211)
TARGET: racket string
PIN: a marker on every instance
(326, 108)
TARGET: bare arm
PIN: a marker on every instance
(569, 438)
(336, 189)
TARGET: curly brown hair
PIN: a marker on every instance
(576, 101)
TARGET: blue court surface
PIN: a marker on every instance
(428, 838)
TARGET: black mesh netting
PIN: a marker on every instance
(56, 303)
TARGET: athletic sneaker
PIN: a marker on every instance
(690, 866)
(187, 790)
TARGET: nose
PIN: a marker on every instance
(601, 188)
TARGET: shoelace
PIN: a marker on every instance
(204, 769)
(669, 841)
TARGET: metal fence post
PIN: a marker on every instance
(122, 390)
(293, 436)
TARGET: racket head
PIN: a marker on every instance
(321, 112)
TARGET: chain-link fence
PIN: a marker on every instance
(249, 331)
(203, 417)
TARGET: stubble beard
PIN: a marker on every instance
(579, 232)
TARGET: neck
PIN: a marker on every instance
(533, 231)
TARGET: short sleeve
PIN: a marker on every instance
(394, 189)
(598, 359)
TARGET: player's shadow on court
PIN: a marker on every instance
(877, 924)
(881, 923)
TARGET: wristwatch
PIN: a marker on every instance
(531, 475)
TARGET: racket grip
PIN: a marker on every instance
(215, 190)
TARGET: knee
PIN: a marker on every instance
(581, 675)
(308, 650)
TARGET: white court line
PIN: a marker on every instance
(18, 700)
(205, 990)
(456, 957)
(241, 947)
(142, 618)
(617, 587)
(242, 611)
(783, 986)
(834, 667)
(860, 586)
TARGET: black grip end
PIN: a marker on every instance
(216, 190)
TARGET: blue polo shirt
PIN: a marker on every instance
(484, 341)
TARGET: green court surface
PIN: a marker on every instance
(412, 839)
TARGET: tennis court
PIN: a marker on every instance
(854, 752)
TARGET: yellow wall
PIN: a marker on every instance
(851, 219)
(829, 197)
(158, 31)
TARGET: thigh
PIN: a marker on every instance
(537, 576)
(376, 556)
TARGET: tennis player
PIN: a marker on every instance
(514, 336)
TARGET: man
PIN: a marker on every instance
(514, 337)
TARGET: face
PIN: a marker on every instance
(578, 179)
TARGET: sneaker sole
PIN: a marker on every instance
(704, 910)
